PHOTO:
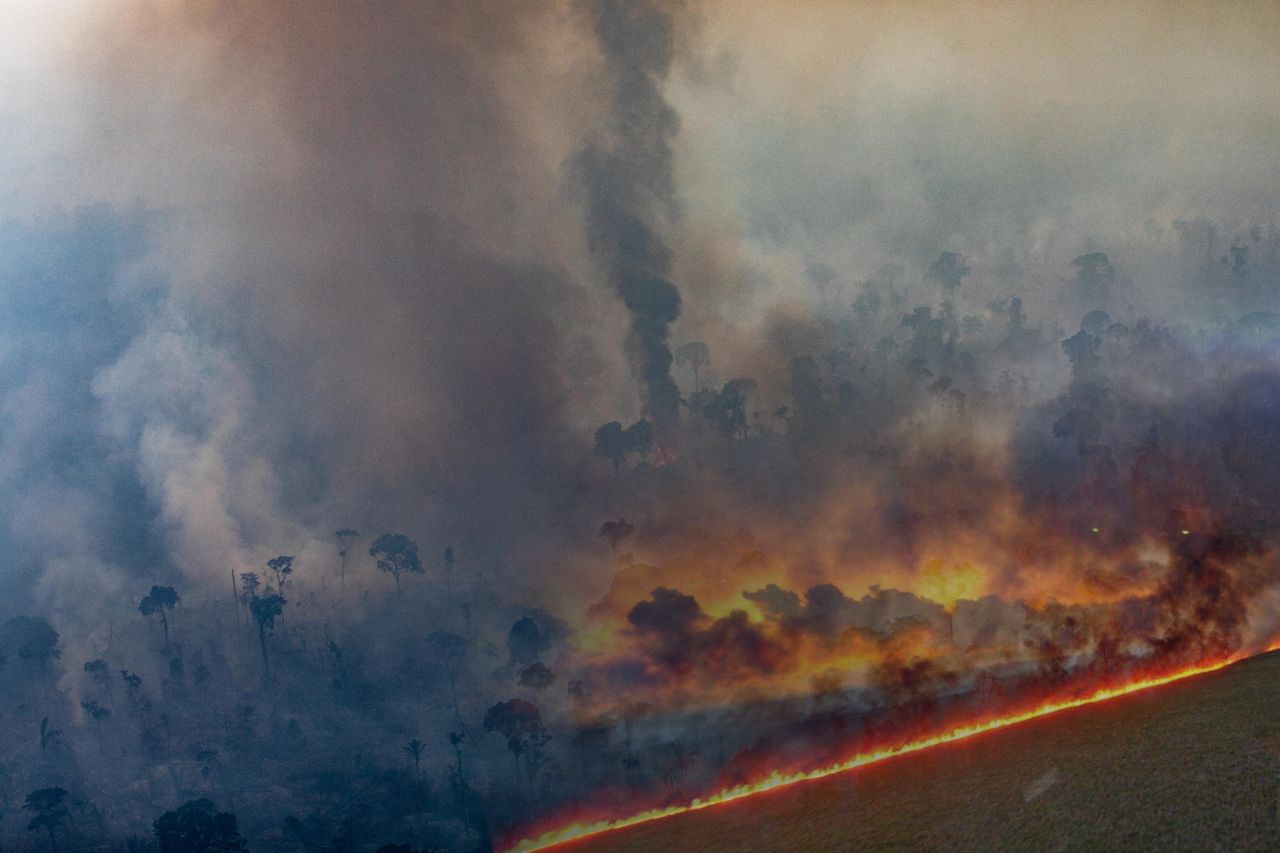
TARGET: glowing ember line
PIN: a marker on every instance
(862, 759)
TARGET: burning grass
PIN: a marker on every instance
(730, 799)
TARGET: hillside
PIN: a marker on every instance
(1186, 766)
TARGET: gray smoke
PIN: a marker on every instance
(630, 188)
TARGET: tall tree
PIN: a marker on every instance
(31, 639)
(346, 537)
(611, 443)
(49, 806)
(282, 568)
(520, 722)
(696, 355)
(949, 269)
(396, 554)
(639, 439)
(266, 609)
(414, 750)
(48, 735)
(1094, 276)
(159, 600)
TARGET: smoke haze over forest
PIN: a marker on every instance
(738, 380)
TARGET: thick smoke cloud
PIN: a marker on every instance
(630, 187)
(977, 402)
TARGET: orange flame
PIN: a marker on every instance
(778, 779)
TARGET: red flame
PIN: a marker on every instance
(584, 828)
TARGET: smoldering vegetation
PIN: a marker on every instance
(909, 514)
(412, 491)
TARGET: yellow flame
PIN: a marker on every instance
(779, 780)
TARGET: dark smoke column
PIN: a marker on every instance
(630, 189)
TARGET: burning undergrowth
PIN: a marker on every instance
(944, 564)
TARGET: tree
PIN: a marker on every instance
(448, 569)
(98, 670)
(48, 735)
(50, 811)
(396, 554)
(1094, 275)
(31, 639)
(616, 531)
(249, 583)
(611, 443)
(696, 355)
(537, 675)
(266, 609)
(198, 827)
(681, 760)
(282, 567)
(520, 722)
(414, 749)
(460, 778)
(96, 712)
(639, 439)
(525, 642)
(949, 269)
(132, 683)
(346, 538)
(160, 599)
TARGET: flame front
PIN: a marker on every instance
(777, 779)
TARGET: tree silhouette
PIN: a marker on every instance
(31, 639)
(160, 599)
(265, 610)
(696, 355)
(537, 675)
(48, 735)
(281, 567)
(520, 722)
(611, 443)
(249, 583)
(396, 554)
(949, 269)
(50, 812)
(639, 439)
(1094, 275)
(448, 569)
(346, 538)
(616, 531)
(98, 670)
(198, 827)
(681, 760)
(96, 712)
(525, 642)
(132, 684)
(414, 749)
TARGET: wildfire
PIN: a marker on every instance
(778, 779)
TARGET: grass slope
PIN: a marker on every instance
(1188, 766)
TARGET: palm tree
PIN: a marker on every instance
(346, 538)
(160, 599)
(265, 609)
(414, 749)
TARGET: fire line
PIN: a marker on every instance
(775, 780)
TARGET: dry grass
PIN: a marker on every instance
(1189, 766)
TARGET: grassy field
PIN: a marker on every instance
(1188, 766)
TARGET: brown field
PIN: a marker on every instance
(1190, 766)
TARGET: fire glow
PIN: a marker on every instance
(775, 780)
